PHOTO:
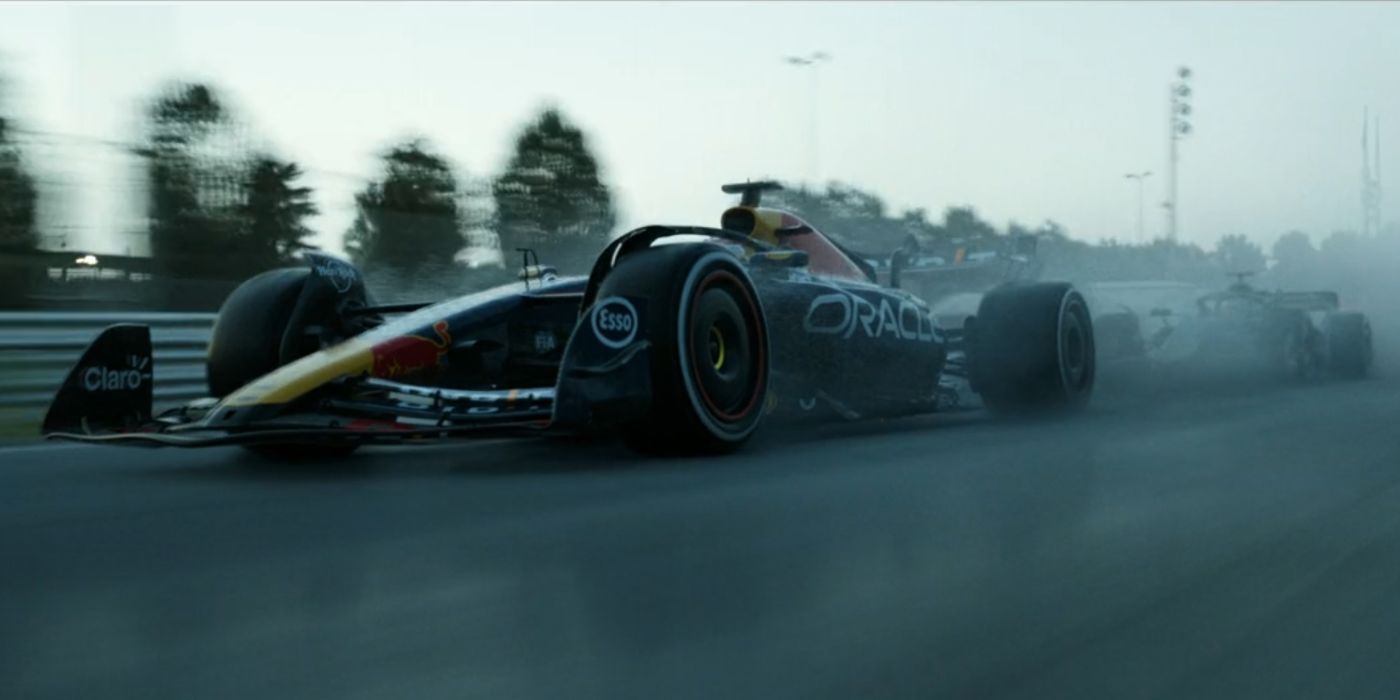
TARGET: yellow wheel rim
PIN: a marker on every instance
(716, 347)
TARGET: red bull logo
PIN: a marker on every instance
(411, 354)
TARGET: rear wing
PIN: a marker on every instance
(750, 193)
(1307, 301)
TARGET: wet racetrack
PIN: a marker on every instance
(1240, 542)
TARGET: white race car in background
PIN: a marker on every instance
(1168, 325)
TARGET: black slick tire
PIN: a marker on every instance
(709, 352)
(1032, 349)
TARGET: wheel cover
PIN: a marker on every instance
(726, 348)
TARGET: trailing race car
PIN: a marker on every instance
(1288, 334)
(681, 339)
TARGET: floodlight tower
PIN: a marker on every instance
(1179, 126)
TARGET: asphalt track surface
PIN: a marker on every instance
(1240, 541)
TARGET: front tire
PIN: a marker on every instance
(1032, 349)
(709, 355)
(248, 331)
(245, 344)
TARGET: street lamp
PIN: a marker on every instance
(1139, 177)
(1179, 126)
(812, 61)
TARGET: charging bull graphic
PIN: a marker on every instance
(411, 354)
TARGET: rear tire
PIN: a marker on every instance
(1032, 349)
(1349, 345)
(709, 348)
(245, 343)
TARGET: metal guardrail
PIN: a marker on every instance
(38, 348)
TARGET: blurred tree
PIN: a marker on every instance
(1015, 228)
(1239, 254)
(915, 224)
(1113, 261)
(963, 223)
(17, 195)
(478, 211)
(18, 233)
(275, 212)
(1295, 260)
(551, 198)
(1294, 249)
(1342, 246)
(358, 238)
(846, 202)
(409, 220)
(1053, 230)
(197, 177)
(1362, 269)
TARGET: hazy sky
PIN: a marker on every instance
(1026, 111)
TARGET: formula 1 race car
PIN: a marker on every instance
(1287, 334)
(682, 339)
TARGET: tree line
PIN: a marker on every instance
(221, 208)
(216, 206)
(18, 197)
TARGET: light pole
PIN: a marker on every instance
(1178, 127)
(1139, 177)
(813, 62)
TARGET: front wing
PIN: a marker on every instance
(600, 385)
(371, 411)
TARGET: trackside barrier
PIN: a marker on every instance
(38, 348)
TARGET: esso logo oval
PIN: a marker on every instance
(615, 322)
